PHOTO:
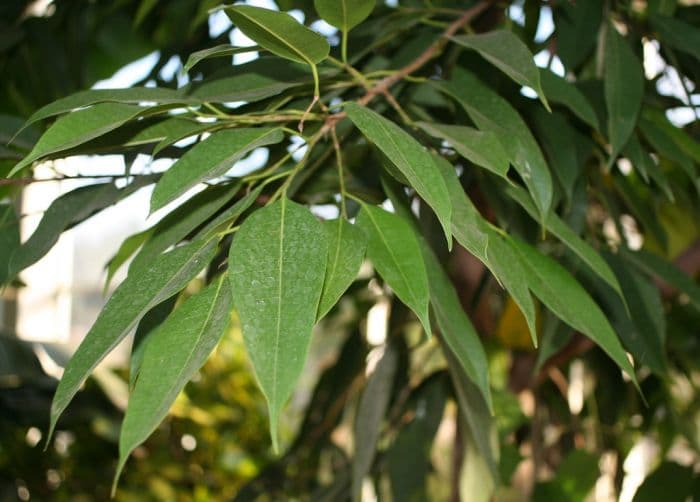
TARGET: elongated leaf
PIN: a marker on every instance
(230, 215)
(680, 137)
(65, 212)
(79, 127)
(395, 253)
(215, 52)
(175, 351)
(642, 162)
(577, 28)
(370, 415)
(480, 147)
(492, 113)
(126, 250)
(209, 159)
(666, 147)
(129, 303)
(558, 90)
(678, 34)
(9, 239)
(624, 88)
(280, 33)
(410, 157)
(344, 14)
(504, 50)
(168, 131)
(346, 250)
(277, 266)
(562, 294)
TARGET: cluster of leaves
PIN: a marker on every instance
(407, 109)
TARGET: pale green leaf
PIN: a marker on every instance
(215, 52)
(344, 14)
(277, 265)
(493, 113)
(209, 159)
(411, 159)
(480, 147)
(504, 50)
(558, 90)
(624, 88)
(280, 33)
(175, 351)
(395, 253)
(132, 299)
(346, 250)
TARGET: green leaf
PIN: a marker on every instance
(175, 351)
(169, 131)
(126, 250)
(410, 157)
(280, 33)
(667, 147)
(346, 250)
(678, 34)
(642, 162)
(80, 127)
(139, 293)
(670, 481)
(65, 212)
(344, 14)
(492, 113)
(680, 137)
(9, 239)
(277, 266)
(226, 218)
(209, 159)
(395, 253)
(504, 50)
(370, 416)
(215, 52)
(480, 147)
(563, 294)
(577, 30)
(558, 90)
(624, 88)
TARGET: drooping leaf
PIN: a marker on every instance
(370, 415)
(666, 147)
(277, 266)
(686, 142)
(139, 293)
(558, 90)
(678, 34)
(565, 296)
(230, 215)
(395, 253)
(175, 351)
(346, 250)
(215, 52)
(576, 30)
(344, 14)
(280, 33)
(480, 147)
(642, 162)
(126, 250)
(624, 88)
(411, 159)
(491, 112)
(9, 239)
(79, 127)
(168, 131)
(508, 53)
(209, 159)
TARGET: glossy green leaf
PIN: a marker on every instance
(558, 90)
(480, 147)
(411, 159)
(280, 33)
(344, 14)
(565, 296)
(215, 52)
(209, 159)
(175, 351)
(370, 416)
(277, 266)
(395, 253)
(9, 239)
(492, 113)
(678, 34)
(132, 299)
(79, 127)
(504, 50)
(346, 250)
(624, 88)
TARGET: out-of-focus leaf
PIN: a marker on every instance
(216, 52)
(344, 14)
(277, 266)
(209, 159)
(678, 34)
(666, 147)
(480, 147)
(346, 250)
(508, 53)
(624, 87)
(558, 90)
(491, 112)
(395, 253)
(139, 293)
(370, 415)
(175, 351)
(670, 481)
(9, 239)
(410, 157)
(576, 30)
(642, 162)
